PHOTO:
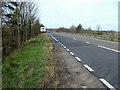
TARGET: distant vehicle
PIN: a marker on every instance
(42, 29)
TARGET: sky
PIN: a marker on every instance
(89, 13)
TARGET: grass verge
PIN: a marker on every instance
(111, 40)
(30, 66)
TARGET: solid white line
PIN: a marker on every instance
(53, 37)
(56, 39)
(90, 69)
(87, 42)
(106, 83)
(109, 48)
(78, 59)
(67, 49)
(71, 53)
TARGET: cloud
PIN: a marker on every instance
(58, 13)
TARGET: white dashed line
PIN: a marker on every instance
(60, 43)
(67, 49)
(87, 42)
(109, 49)
(90, 69)
(78, 59)
(64, 47)
(71, 53)
(107, 84)
(86, 66)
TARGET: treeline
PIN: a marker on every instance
(19, 24)
(81, 30)
(74, 29)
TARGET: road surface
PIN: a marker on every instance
(100, 56)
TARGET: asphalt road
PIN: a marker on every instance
(101, 56)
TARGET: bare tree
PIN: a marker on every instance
(98, 27)
(21, 23)
(72, 27)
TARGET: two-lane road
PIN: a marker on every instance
(101, 56)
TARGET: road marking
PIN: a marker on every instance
(64, 47)
(56, 39)
(53, 37)
(67, 49)
(60, 43)
(78, 59)
(87, 42)
(71, 53)
(107, 84)
(90, 69)
(109, 49)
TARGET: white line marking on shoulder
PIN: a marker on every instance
(67, 49)
(64, 46)
(107, 84)
(109, 48)
(71, 53)
(87, 42)
(78, 59)
(90, 69)
(59, 42)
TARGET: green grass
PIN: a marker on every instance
(112, 40)
(30, 66)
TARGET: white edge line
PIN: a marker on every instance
(78, 59)
(64, 47)
(106, 83)
(71, 53)
(67, 49)
(90, 69)
(109, 48)
(59, 43)
(87, 42)
(53, 37)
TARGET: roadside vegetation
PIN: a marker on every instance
(31, 66)
(19, 24)
(112, 40)
(107, 35)
(27, 55)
